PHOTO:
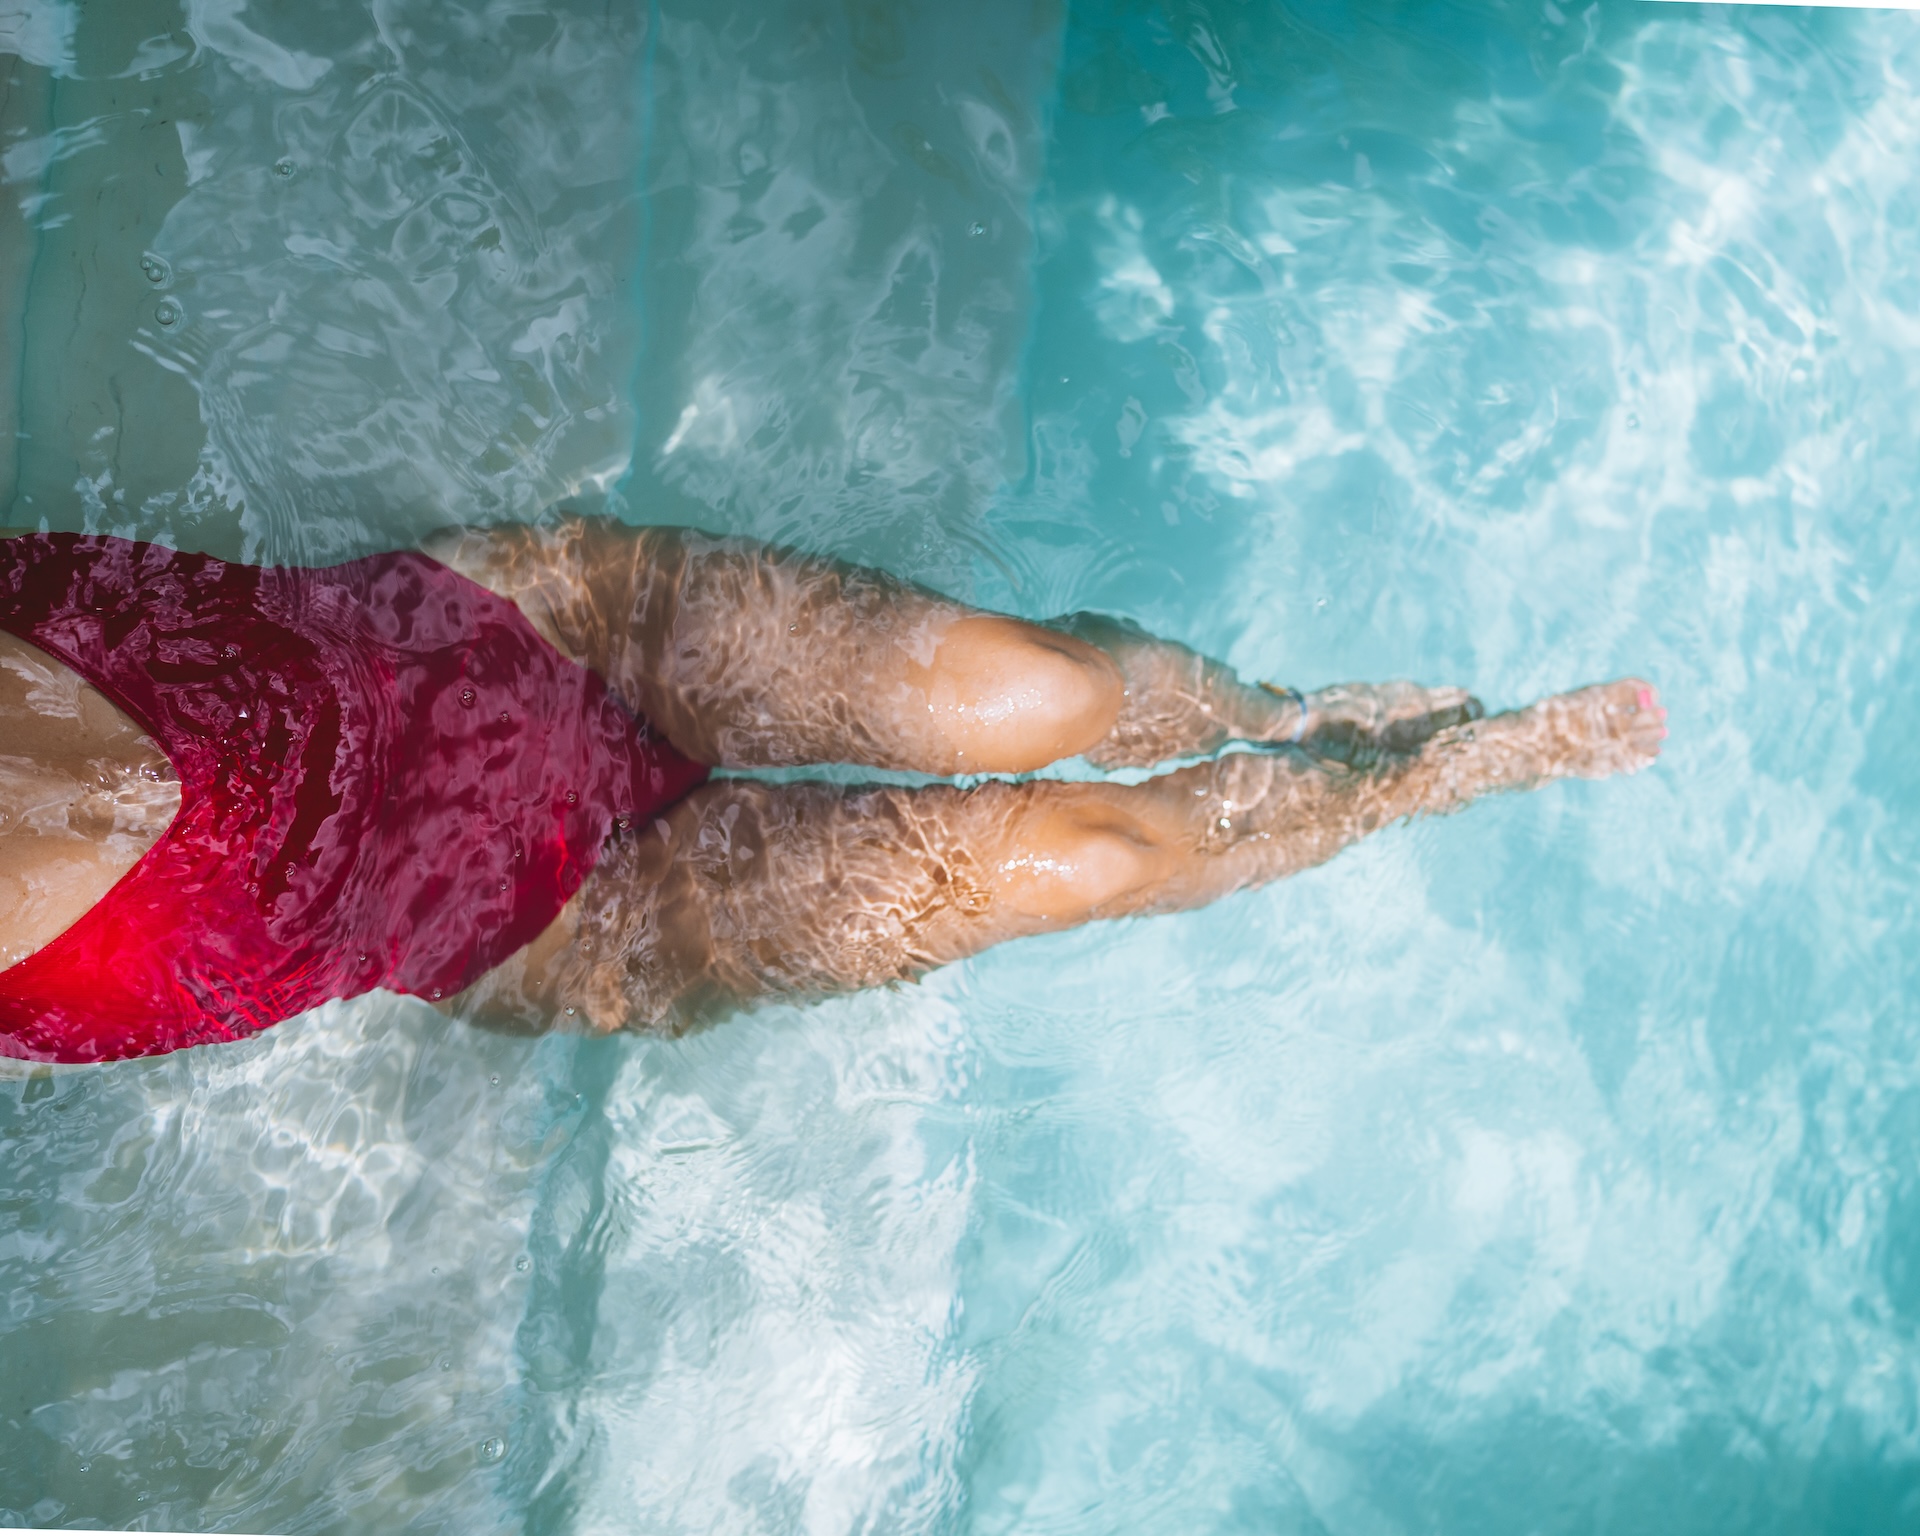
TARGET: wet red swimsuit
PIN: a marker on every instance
(388, 779)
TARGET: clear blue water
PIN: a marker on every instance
(1548, 1169)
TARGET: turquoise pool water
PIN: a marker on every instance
(1549, 1169)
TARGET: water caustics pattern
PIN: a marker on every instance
(1546, 1169)
(374, 272)
(1539, 1170)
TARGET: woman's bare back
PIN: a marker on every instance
(83, 794)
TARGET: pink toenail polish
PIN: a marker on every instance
(1646, 698)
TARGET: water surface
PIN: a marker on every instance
(1550, 1168)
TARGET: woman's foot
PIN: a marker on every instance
(1358, 723)
(1591, 733)
(1594, 733)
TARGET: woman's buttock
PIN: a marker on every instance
(84, 793)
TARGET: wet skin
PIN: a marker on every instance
(83, 794)
(745, 657)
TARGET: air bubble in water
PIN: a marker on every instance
(167, 312)
(523, 1263)
(495, 1079)
(154, 268)
(493, 1448)
(284, 168)
(467, 696)
(976, 229)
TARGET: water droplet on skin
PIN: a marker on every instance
(467, 696)
(167, 313)
(976, 229)
(523, 1263)
(493, 1449)
(155, 269)
(284, 168)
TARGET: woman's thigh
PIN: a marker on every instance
(748, 890)
(746, 655)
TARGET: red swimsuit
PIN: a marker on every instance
(388, 779)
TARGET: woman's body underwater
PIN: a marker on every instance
(744, 656)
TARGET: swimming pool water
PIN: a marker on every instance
(1547, 1169)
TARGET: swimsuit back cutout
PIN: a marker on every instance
(388, 779)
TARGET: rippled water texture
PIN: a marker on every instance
(1550, 1169)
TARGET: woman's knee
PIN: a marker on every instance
(1078, 860)
(1009, 697)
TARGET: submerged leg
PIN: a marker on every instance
(749, 656)
(1181, 703)
(749, 890)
